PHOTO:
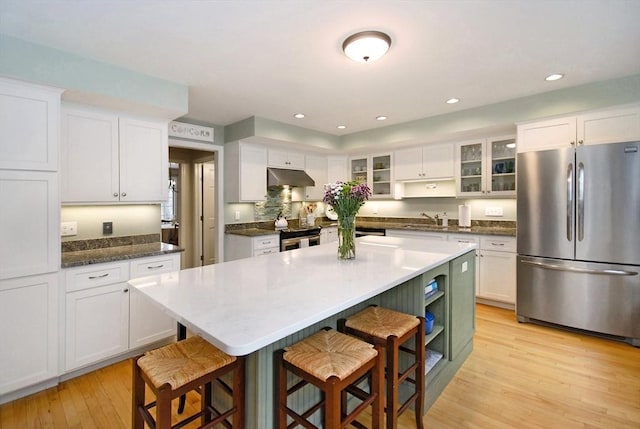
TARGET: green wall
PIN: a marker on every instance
(90, 80)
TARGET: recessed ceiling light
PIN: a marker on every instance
(453, 100)
(299, 115)
(341, 127)
(381, 118)
(554, 76)
(366, 46)
(510, 145)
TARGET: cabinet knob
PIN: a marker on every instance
(573, 143)
(124, 194)
(580, 142)
(115, 194)
(126, 290)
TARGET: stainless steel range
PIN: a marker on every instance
(295, 238)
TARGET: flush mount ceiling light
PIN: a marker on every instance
(299, 115)
(554, 76)
(453, 100)
(341, 127)
(366, 46)
(381, 118)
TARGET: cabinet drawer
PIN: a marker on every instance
(155, 265)
(464, 238)
(266, 241)
(266, 251)
(501, 244)
(96, 275)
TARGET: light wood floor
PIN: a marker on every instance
(518, 376)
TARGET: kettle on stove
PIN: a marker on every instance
(281, 222)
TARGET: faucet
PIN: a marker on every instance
(435, 219)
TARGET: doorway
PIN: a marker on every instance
(193, 183)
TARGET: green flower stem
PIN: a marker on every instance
(346, 237)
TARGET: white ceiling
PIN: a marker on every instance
(273, 58)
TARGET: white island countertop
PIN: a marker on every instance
(244, 305)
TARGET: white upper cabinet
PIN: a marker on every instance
(424, 162)
(245, 172)
(604, 126)
(486, 167)
(337, 169)
(316, 168)
(107, 158)
(29, 117)
(376, 171)
(281, 158)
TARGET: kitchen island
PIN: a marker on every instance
(257, 305)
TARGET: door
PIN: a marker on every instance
(545, 203)
(608, 203)
(208, 213)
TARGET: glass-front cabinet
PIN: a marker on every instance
(486, 167)
(376, 172)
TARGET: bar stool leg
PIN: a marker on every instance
(392, 381)
(421, 355)
(138, 397)
(238, 393)
(181, 334)
(163, 409)
(333, 410)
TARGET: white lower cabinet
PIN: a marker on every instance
(29, 336)
(497, 263)
(329, 234)
(240, 246)
(104, 318)
(97, 324)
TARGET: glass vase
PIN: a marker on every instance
(347, 237)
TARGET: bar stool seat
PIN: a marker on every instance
(332, 362)
(388, 331)
(174, 370)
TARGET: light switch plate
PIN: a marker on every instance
(493, 211)
(68, 228)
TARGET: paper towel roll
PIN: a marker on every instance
(304, 242)
(464, 216)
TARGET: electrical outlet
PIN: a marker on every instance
(493, 211)
(237, 216)
(107, 228)
(68, 228)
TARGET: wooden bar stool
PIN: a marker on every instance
(334, 363)
(174, 370)
(388, 331)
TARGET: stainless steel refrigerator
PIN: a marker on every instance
(579, 238)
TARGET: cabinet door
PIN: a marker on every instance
(498, 276)
(97, 324)
(30, 223)
(462, 303)
(470, 166)
(29, 337)
(144, 161)
(549, 134)
(620, 125)
(337, 169)
(381, 177)
(408, 164)
(501, 166)
(253, 173)
(316, 167)
(284, 159)
(329, 235)
(90, 165)
(438, 161)
(29, 118)
(147, 322)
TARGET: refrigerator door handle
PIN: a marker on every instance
(580, 196)
(579, 270)
(570, 202)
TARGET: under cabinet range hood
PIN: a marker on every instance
(284, 176)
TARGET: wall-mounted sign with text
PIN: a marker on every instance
(191, 132)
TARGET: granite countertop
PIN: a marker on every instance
(505, 228)
(97, 251)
